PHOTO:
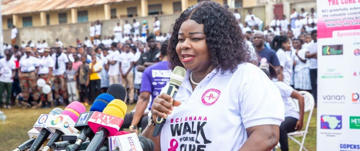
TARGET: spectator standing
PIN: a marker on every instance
(293, 17)
(284, 23)
(83, 81)
(136, 26)
(95, 68)
(45, 72)
(113, 63)
(127, 28)
(144, 29)
(60, 60)
(150, 57)
(14, 33)
(70, 82)
(127, 77)
(282, 46)
(311, 54)
(92, 32)
(118, 31)
(237, 15)
(157, 25)
(98, 30)
(7, 73)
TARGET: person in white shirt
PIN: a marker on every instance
(7, 73)
(298, 26)
(237, 15)
(215, 90)
(275, 23)
(23, 44)
(126, 72)
(98, 30)
(92, 32)
(28, 75)
(136, 26)
(88, 43)
(157, 25)
(311, 54)
(286, 63)
(250, 14)
(38, 45)
(44, 44)
(301, 70)
(118, 31)
(60, 60)
(14, 33)
(127, 28)
(293, 17)
(97, 42)
(293, 118)
(312, 12)
(284, 23)
(59, 43)
(45, 72)
(113, 63)
(303, 13)
(31, 44)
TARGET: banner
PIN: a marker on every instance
(338, 112)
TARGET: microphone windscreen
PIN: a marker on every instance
(116, 108)
(146, 144)
(56, 111)
(117, 90)
(177, 76)
(101, 102)
(73, 110)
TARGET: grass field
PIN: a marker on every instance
(14, 131)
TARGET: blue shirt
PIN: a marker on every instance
(270, 56)
(155, 78)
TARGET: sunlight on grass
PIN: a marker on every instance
(19, 121)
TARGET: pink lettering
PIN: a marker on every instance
(200, 118)
(348, 1)
(333, 2)
(190, 118)
(195, 118)
(186, 119)
(172, 121)
(177, 120)
(205, 119)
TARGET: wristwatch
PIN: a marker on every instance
(132, 127)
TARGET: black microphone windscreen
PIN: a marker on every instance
(117, 91)
(146, 144)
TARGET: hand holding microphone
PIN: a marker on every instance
(163, 104)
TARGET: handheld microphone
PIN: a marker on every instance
(41, 126)
(130, 141)
(107, 123)
(176, 80)
(26, 145)
(81, 124)
(64, 123)
(117, 90)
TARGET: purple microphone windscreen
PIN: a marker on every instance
(101, 102)
(118, 91)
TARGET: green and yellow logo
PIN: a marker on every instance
(332, 50)
(57, 120)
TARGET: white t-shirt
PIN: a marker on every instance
(217, 113)
(114, 69)
(312, 48)
(285, 92)
(60, 43)
(284, 24)
(62, 60)
(275, 23)
(92, 31)
(32, 45)
(294, 15)
(44, 45)
(136, 28)
(88, 43)
(14, 32)
(39, 45)
(126, 60)
(287, 63)
(117, 30)
(98, 29)
(23, 45)
(248, 17)
(127, 28)
(157, 23)
(45, 64)
(237, 16)
(6, 68)
(299, 64)
(97, 42)
(28, 64)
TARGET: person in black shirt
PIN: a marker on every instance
(150, 57)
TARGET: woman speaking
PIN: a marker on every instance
(224, 103)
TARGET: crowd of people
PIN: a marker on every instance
(286, 51)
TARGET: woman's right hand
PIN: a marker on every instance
(163, 106)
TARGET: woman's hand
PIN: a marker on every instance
(299, 125)
(163, 106)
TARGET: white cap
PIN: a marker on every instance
(41, 50)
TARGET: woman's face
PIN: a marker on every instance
(191, 47)
(296, 44)
(302, 37)
(286, 46)
(308, 38)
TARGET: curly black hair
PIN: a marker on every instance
(224, 37)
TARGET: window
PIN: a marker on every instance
(9, 23)
(132, 11)
(47, 19)
(82, 16)
(62, 18)
(177, 7)
(238, 3)
(27, 21)
(155, 9)
(113, 13)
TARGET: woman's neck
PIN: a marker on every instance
(198, 76)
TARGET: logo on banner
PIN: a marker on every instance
(355, 98)
(332, 50)
(333, 122)
(66, 125)
(210, 96)
(332, 73)
(42, 119)
(349, 147)
(354, 122)
(357, 52)
(82, 118)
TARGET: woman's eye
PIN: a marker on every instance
(181, 40)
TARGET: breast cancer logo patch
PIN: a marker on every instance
(210, 96)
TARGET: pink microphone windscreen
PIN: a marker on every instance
(73, 110)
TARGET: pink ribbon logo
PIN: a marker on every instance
(173, 145)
